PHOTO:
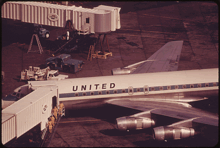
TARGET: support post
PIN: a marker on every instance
(102, 42)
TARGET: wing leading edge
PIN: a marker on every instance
(165, 59)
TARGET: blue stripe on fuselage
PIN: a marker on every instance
(155, 88)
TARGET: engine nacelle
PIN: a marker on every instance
(134, 123)
(120, 71)
(164, 133)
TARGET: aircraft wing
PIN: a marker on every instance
(165, 59)
(177, 110)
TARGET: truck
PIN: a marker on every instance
(42, 32)
(65, 63)
(35, 73)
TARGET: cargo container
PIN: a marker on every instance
(29, 111)
(100, 19)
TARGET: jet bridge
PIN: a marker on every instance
(101, 19)
(35, 108)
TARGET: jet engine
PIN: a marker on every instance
(120, 71)
(134, 123)
(164, 133)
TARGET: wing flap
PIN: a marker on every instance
(207, 121)
(174, 114)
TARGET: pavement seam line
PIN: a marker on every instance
(141, 34)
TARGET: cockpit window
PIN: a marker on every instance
(14, 94)
(19, 90)
(17, 95)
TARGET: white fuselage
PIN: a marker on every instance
(138, 84)
(176, 85)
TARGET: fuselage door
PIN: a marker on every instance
(146, 89)
(130, 90)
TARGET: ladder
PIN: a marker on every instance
(38, 43)
(91, 51)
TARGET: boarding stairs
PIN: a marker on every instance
(47, 136)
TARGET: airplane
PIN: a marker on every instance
(155, 88)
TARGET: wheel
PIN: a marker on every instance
(47, 35)
(66, 68)
(35, 78)
(32, 79)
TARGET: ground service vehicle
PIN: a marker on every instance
(35, 73)
(42, 32)
(65, 63)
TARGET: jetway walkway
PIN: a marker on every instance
(33, 109)
(100, 19)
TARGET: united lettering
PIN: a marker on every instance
(94, 86)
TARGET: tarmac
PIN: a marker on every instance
(145, 28)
